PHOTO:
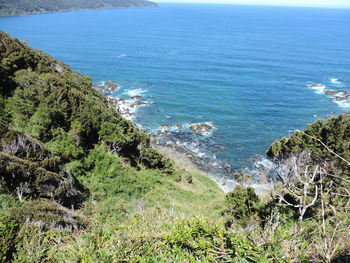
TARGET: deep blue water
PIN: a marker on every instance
(245, 69)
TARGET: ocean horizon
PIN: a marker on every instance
(247, 73)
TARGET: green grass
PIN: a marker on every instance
(117, 190)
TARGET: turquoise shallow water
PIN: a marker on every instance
(244, 69)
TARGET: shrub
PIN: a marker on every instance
(155, 160)
(35, 245)
(64, 145)
(8, 232)
(240, 205)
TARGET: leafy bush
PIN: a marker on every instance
(64, 145)
(35, 245)
(8, 232)
(241, 204)
(334, 133)
(155, 160)
(199, 240)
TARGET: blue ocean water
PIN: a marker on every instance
(244, 69)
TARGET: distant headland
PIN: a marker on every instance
(25, 7)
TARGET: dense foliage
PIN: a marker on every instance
(241, 203)
(79, 183)
(22, 7)
(326, 140)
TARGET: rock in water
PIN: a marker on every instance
(202, 129)
(335, 92)
(341, 98)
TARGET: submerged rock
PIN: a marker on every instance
(139, 103)
(111, 86)
(177, 125)
(202, 129)
(316, 86)
(335, 92)
(137, 97)
(107, 86)
(341, 98)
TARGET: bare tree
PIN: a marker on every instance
(323, 185)
(301, 181)
(22, 189)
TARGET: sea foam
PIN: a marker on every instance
(334, 81)
(343, 104)
(135, 92)
(341, 97)
(319, 88)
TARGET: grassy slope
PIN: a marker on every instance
(116, 186)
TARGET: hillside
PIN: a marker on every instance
(27, 7)
(79, 183)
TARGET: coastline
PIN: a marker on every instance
(153, 5)
(173, 140)
(169, 141)
(180, 158)
(186, 161)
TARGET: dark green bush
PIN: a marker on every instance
(155, 160)
(274, 208)
(8, 232)
(334, 132)
(240, 205)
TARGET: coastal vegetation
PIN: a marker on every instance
(27, 7)
(79, 183)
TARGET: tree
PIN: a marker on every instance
(300, 183)
(241, 204)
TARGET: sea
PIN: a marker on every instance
(248, 73)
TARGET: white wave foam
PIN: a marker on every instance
(334, 80)
(128, 107)
(135, 92)
(343, 104)
(341, 97)
(228, 184)
(319, 88)
(122, 55)
(266, 163)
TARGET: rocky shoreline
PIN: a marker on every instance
(125, 106)
(189, 162)
(188, 144)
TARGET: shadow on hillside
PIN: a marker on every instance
(342, 259)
